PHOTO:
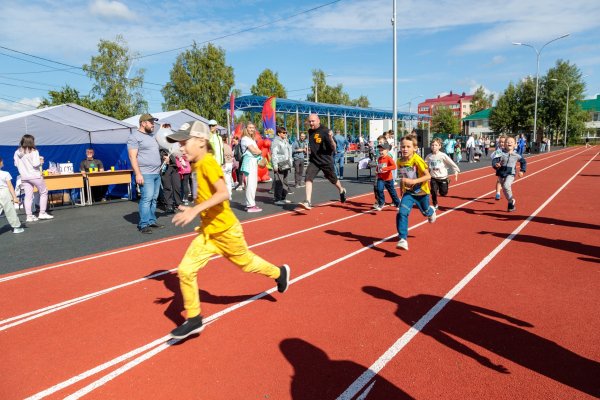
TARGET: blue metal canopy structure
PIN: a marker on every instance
(253, 103)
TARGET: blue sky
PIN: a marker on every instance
(442, 45)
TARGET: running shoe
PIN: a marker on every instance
(189, 327)
(402, 244)
(31, 218)
(497, 196)
(254, 209)
(284, 278)
(432, 217)
(18, 230)
(305, 204)
(512, 205)
(45, 216)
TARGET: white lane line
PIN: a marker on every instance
(137, 247)
(133, 353)
(386, 357)
(4, 324)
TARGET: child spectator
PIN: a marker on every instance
(499, 150)
(7, 198)
(379, 200)
(438, 163)
(415, 187)
(28, 162)
(385, 178)
(505, 165)
(219, 232)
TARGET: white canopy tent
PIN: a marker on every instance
(62, 133)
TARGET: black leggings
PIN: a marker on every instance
(438, 185)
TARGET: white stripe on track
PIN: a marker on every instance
(386, 357)
(105, 379)
(183, 236)
(4, 324)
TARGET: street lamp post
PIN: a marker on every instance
(537, 77)
(567, 110)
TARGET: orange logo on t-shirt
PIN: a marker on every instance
(318, 138)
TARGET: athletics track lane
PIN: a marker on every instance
(323, 298)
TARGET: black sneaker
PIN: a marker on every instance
(146, 230)
(156, 225)
(511, 205)
(284, 278)
(343, 196)
(189, 327)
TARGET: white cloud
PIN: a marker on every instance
(111, 9)
(17, 106)
(498, 60)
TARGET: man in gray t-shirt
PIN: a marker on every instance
(144, 155)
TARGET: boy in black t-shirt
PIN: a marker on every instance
(91, 164)
(320, 158)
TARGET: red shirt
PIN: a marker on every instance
(385, 166)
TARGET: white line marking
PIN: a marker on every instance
(215, 316)
(183, 236)
(4, 324)
(378, 365)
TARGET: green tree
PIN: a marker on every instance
(114, 93)
(553, 101)
(481, 100)
(443, 121)
(66, 95)
(503, 118)
(200, 81)
(267, 84)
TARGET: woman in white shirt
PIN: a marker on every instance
(249, 166)
(28, 162)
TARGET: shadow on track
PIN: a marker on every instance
(175, 302)
(316, 376)
(364, 240)
(509, 339)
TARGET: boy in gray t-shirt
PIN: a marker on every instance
(505, 165)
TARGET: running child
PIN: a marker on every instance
(497, 153)
(219, 232)
(414, 183)
(378, 200)
(439, 163)
(385, 178)
(505, 165)
(7, 198)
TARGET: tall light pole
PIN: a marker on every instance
(317, 89)
(567, 111)
(395, 79)
(537, 77)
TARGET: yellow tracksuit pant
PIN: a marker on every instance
(231, 245)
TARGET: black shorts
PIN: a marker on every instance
(313, 169)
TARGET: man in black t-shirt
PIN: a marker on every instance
(320, 158)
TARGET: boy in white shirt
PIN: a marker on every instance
(438, 163)
(7, 198)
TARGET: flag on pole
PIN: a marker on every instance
(231, 109)
(268, 117)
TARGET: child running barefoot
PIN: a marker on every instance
(497, 153)
(415, 187)
(438, 163)
(219, 232)
(385, 179)
(505, 165)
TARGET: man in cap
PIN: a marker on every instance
(144, 155)
(216, 141)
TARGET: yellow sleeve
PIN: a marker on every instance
(211, 170)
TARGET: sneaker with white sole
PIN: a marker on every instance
(378, 208)
(45, 216)
(402, 244)
(189, 327)
(305, 204)
(284, 278)
(31, 218)
(280, 202)
(18, 230)
(432, 217)
(254, 209)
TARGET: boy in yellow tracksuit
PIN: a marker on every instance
(219, 233)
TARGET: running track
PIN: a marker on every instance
(486, 304)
